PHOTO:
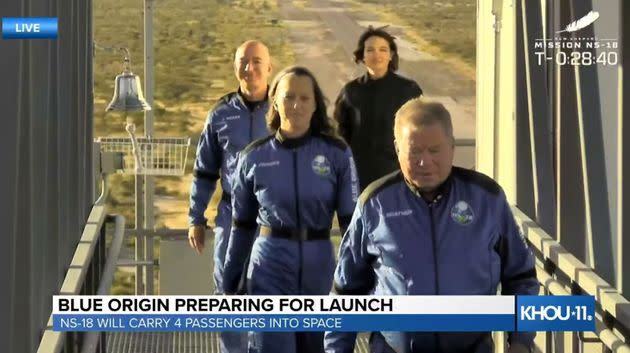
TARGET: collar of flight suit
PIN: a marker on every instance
(292, 142)
(442, 190)
(243, 101)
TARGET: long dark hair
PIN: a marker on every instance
(378, 32)
(320, 123)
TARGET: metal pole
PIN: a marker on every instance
(623, 215)
(139, 246)
(139, 214)
(148, 65)
(149, 185)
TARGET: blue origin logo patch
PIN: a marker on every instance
(320, 165)
(462, 213)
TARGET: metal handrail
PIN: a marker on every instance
(91, 338)
(176, 233)
(613, 310)
(54, 341)
(465, 142)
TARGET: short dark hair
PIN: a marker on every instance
(320, 123)
(378, 32)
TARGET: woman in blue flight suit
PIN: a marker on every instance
(290, 184)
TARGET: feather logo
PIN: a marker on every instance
(581, 23)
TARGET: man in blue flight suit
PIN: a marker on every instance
(235, 121)
(432, 229)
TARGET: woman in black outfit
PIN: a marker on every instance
(366, 106)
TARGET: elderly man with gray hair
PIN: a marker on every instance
(432, 229)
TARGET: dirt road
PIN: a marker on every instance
(323, 34)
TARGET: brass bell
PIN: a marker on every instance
(127, 92)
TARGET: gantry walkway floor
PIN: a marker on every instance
(180, 342)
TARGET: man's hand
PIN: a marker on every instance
(518, 348)
(197, 237)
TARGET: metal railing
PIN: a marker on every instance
(91, 272)
(561, 273)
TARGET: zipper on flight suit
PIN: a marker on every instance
(435, 265)
(251, 126)
(298, 223)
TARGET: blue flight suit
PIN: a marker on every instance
(464, 242)
(229, 128)
(290, 188)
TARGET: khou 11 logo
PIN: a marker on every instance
(555, 313)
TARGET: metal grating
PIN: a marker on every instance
(156, 156)
(180, 342)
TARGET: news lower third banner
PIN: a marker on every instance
(324, 313)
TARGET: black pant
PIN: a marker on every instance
(378, 344)
(309, 342)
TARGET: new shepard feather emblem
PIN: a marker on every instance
(569, 48)
(585, 21)
(462, 213)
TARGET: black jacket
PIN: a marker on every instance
(365, 110)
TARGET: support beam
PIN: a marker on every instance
(598, 227)
(149, 181)
(571, 216)
(539, 121)
(623, 215)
